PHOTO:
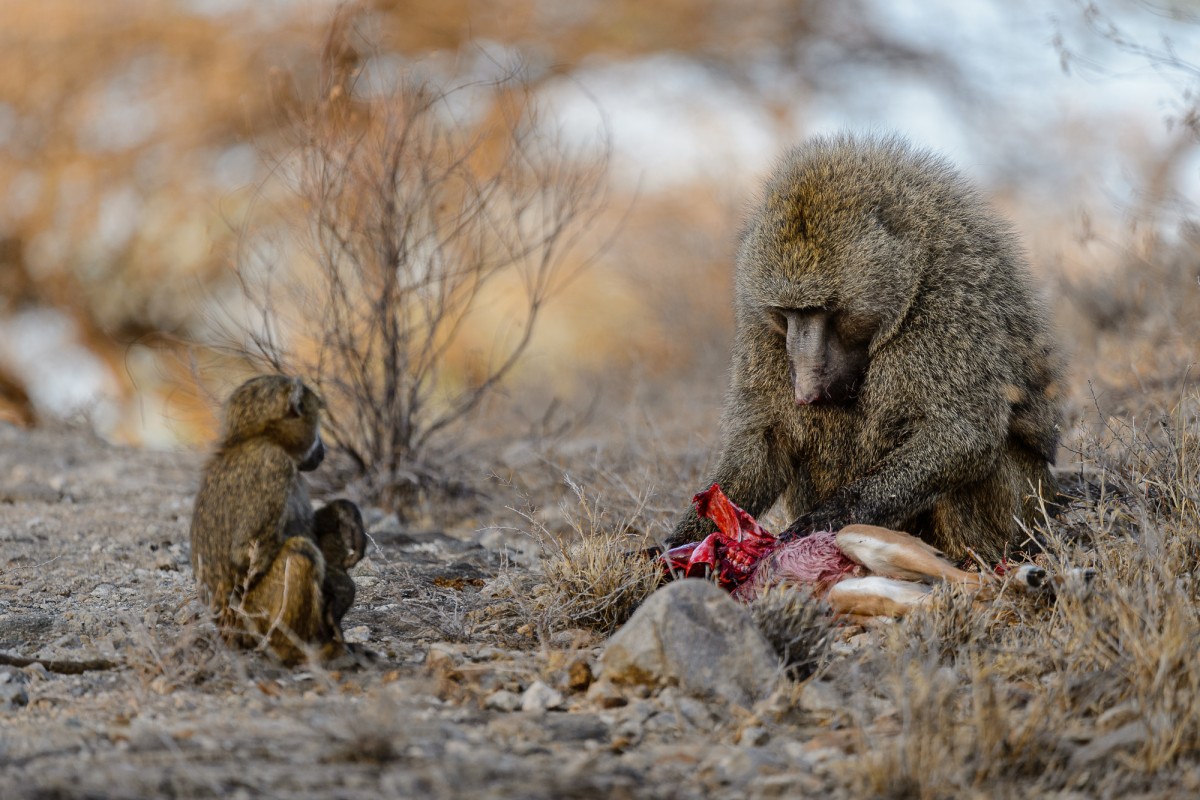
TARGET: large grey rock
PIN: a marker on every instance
(692, 634)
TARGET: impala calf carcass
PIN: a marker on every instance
(860, 570)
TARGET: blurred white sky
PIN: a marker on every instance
(672, 120)
(1057, 143)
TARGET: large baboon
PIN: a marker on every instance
(273, 571)
(892, 363)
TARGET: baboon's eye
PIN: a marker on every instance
(777, 319)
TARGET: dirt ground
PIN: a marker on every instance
(480, 685)
(94, 564)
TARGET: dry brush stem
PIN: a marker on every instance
(798, 625)
(597, 576)
(1096, 694)
(413, 217)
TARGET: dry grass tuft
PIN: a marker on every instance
(594, 576)
(194, 656)
(1096, 694)
(797, 625)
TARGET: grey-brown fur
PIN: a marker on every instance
(342, 538)
(955, 420)
(256, 548)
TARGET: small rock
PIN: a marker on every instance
(387, 523)
(25, 627)
(540, 697)
(13, 696)
(820, 699)
(37, 671)
(12, 675)
(604, 694)
(579, 675)
(165, 562)
(737, 766)
(363, 569)
(440, 657)
(755, 736)
(692, 634)
(503, 700)
(104, 590)
(31, 492)
(365, 581)
(695, 713)
(487, 653)
(576, 727)
(359, 634)
(572, 638)
(519, 548)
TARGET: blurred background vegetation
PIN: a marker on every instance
(145, 146)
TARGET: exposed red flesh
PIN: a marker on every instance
(744, 557)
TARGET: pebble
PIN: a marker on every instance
(37, 671)
(388, 523)
(12, 675)
(755, 736)
(165, 562)
(518, 547)
(820, 699)
(606, 695)
(503, 700)
(359, 634)
(576, 727)
(364, 569)
(103, 590)
(540, 697)
(13, 696)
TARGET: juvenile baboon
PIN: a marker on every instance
(342, 539)
(272, 570)
(892, 364)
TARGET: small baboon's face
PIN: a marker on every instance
(300, 429)
(826, 353)
(281, 408)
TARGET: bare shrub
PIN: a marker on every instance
(416, 216)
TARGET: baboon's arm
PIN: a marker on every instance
(751, 472)
(258, 529)
(948, 448)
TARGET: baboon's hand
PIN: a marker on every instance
(810, 523)
(692, 528)
(832, 515)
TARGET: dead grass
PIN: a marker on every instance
(593, 576)
(1097, 693)
(797, 625)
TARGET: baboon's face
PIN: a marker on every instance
(826, 352)
(314, 457)
(301, 430)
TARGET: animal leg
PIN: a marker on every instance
(893, 554)
(286, 607)
(875, 596)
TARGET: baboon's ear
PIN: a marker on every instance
(296, 398)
